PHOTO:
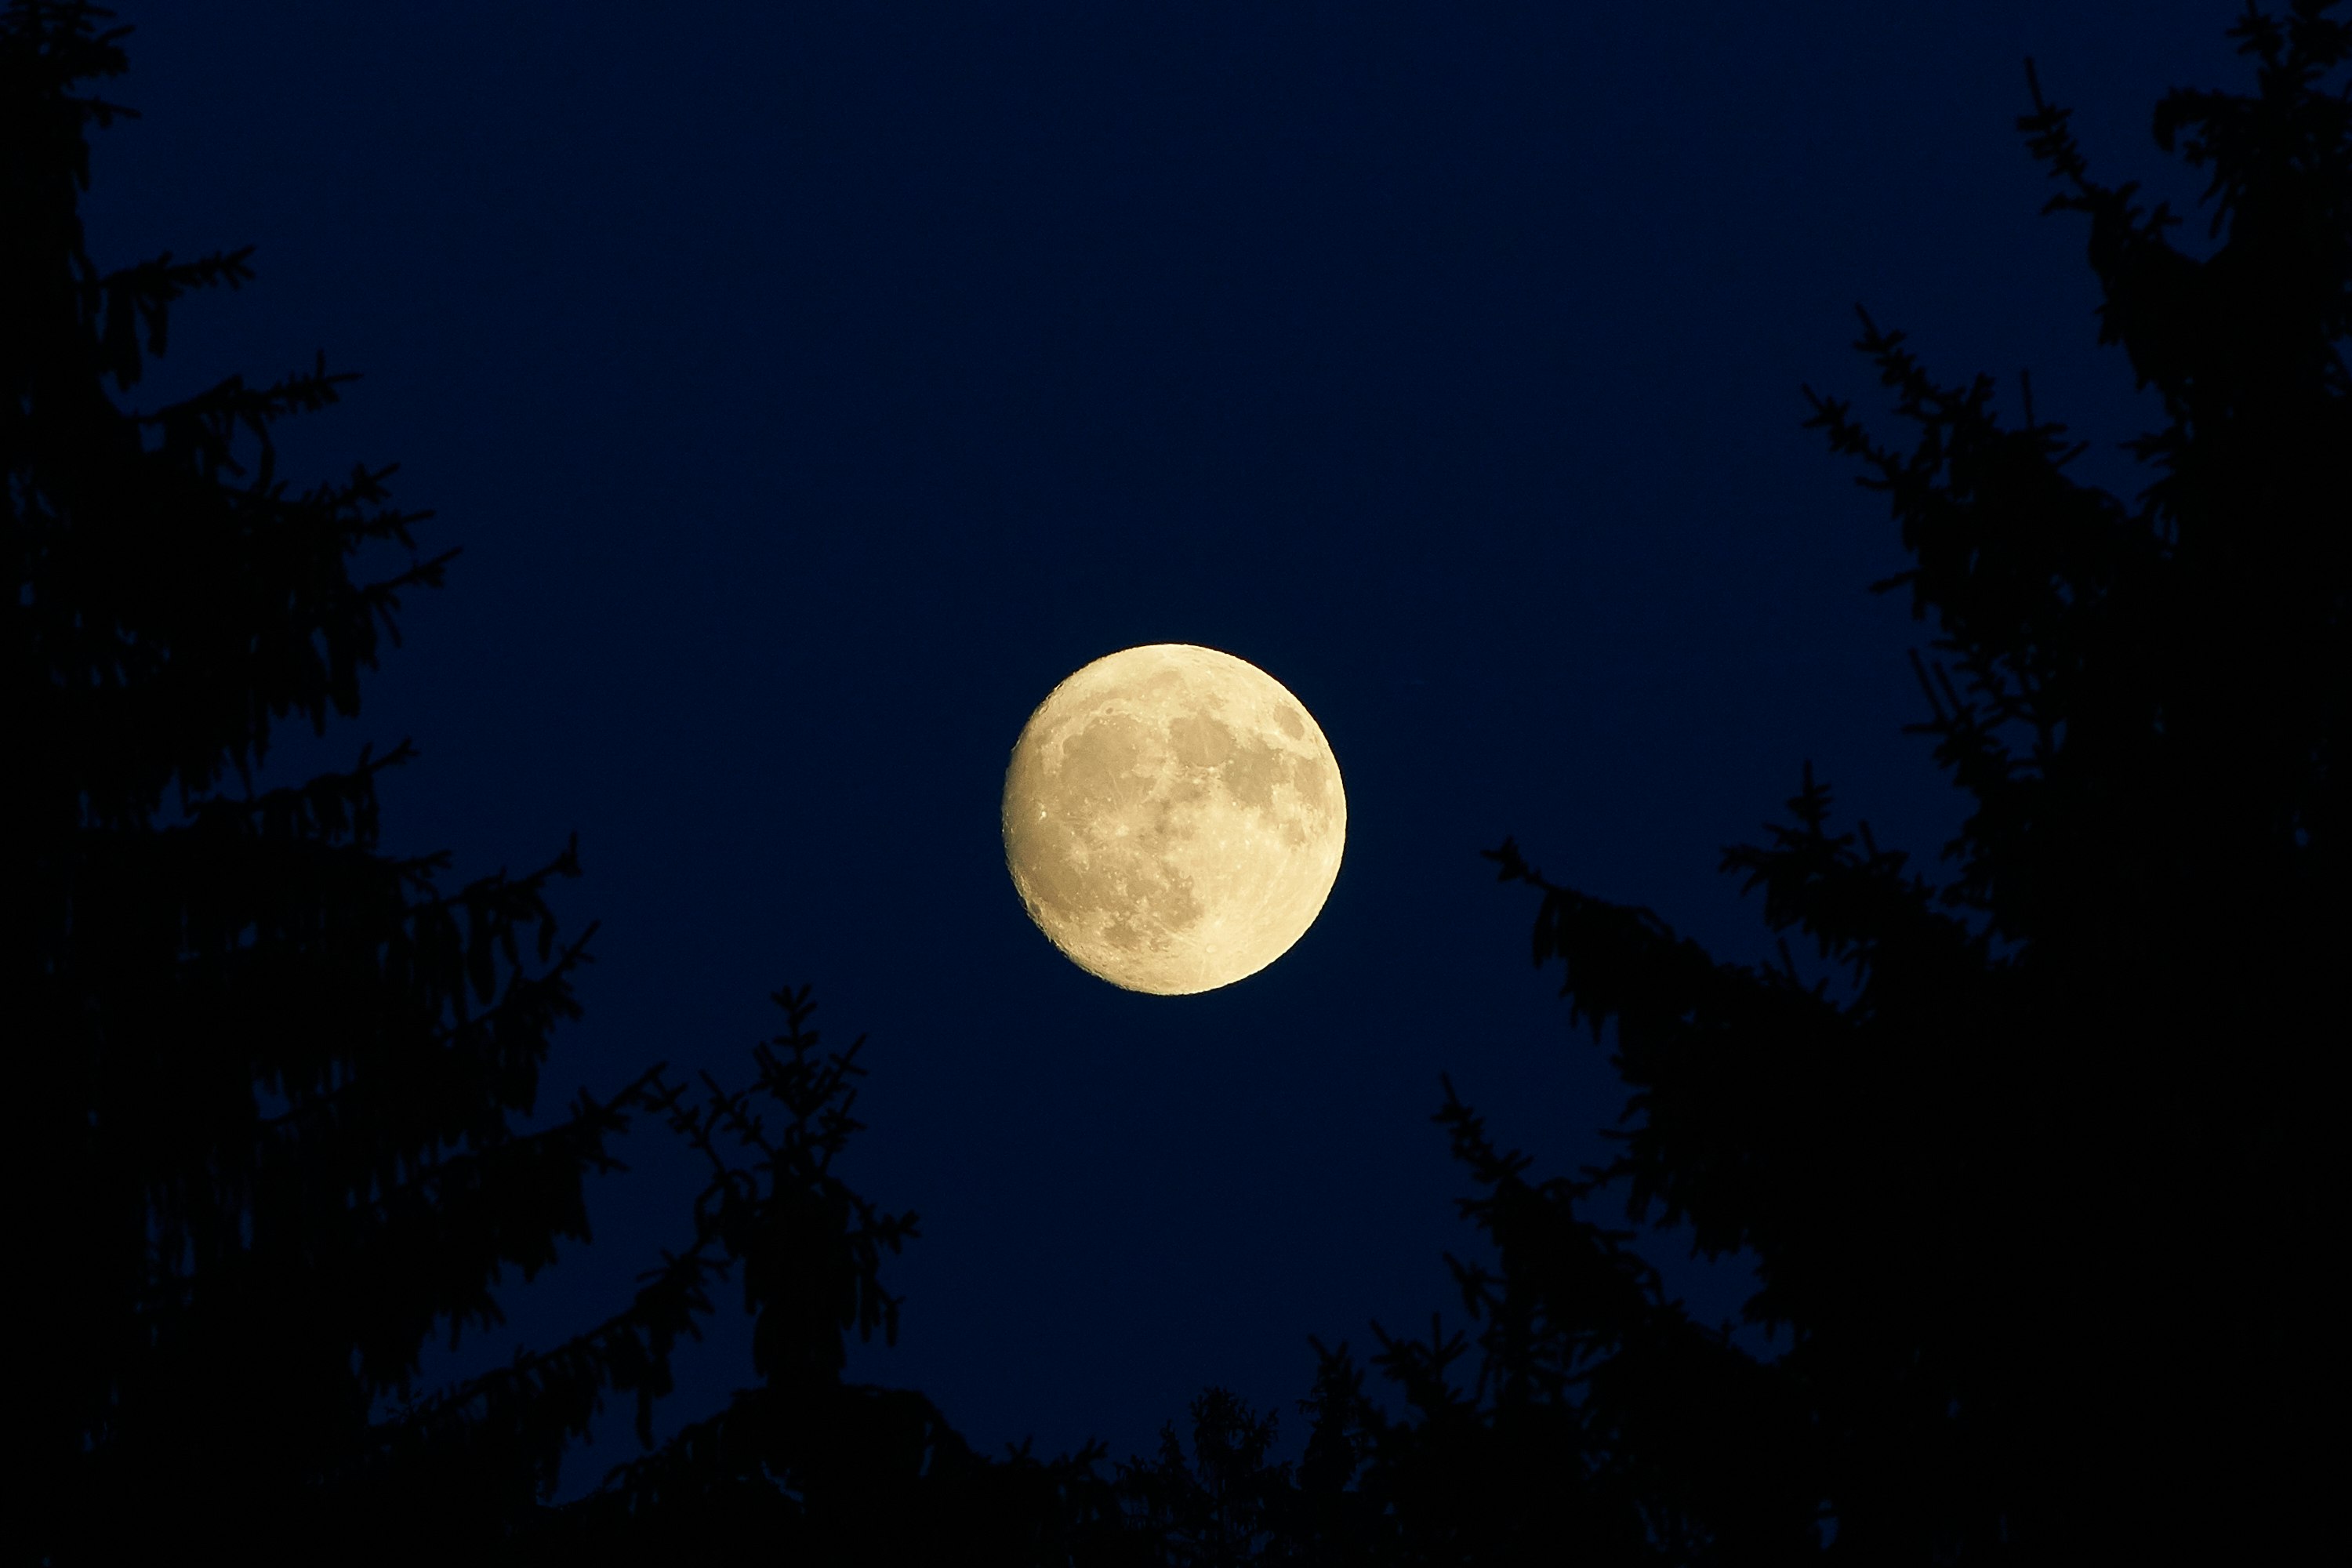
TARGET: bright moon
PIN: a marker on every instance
(1173, 819)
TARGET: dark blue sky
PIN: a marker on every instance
(811, 387)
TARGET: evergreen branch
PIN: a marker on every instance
(143, 293)
(327, 806)
(545, 1399)
(530, 1006)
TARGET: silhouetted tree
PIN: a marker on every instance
(1210, 1510)
(800, 1466)
(2039, 1196)
(268, 1067)
(269, 1071)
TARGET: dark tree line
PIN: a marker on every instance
(2035, 1192)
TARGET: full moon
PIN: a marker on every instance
(1173, 819)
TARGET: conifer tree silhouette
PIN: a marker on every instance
(1211, 1510)
(271, 1071)
(2038, 1198)
(802, 1467)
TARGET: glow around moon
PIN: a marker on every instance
(1173, 818)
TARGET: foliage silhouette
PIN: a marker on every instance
(272, 1071)
(2037, 1200)
(1211, 1510)
(801, 1465)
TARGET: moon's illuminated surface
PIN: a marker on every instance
(1173, 819)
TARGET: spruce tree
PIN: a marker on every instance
(2037, 1195)
(273, 1068)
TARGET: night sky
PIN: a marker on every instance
(811, 387)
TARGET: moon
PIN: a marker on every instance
(1173, 818)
